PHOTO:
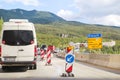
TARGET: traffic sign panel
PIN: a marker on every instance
(94, 41)
(69, 58)
(94, 35)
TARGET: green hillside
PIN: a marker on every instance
(34, 16)
(51, 34)
(78, 31)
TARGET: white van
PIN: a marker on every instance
(18, 44)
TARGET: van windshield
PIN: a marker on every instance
(17, 37)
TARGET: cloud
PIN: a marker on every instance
(99, 11)
(113, 20)
(97, 7)
(25, 2)
(66, 14)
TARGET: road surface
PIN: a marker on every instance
(82, 71)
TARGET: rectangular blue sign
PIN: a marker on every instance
(94, 35)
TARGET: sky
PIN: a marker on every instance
(105, 12)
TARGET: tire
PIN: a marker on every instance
(4, 68)
(30, 67)
(24, 68)
(35, 66)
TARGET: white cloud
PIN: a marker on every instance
(66, 14)
(25, 2)
(97, 7)
(108, 20)
(99, 11)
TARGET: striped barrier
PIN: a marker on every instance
(69, 57)
(68, 67)
(42, 54)
(48, 57)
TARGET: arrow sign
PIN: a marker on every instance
(69, 58)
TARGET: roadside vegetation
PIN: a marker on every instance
(60, 34)
(1, 22)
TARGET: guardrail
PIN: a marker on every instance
(106, 60)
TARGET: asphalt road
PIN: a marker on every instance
(82, 71)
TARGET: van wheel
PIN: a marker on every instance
(35, 66)
(24, 68)
(4, 68)
(30, 67)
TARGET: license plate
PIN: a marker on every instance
(9, 59)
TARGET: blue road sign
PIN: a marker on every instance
(94, 35)
(69, 58)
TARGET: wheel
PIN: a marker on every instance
(35, 66)
(4, 68)
(25, 68)
(30, 67)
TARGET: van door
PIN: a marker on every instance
(9, 45)
(26, 46)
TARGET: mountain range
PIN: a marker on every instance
(34, 16)
(39, 17)
(47, 22)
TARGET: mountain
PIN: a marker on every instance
(41, 17)
(34, 16)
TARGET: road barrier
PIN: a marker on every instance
(69, 57)
(106, 60)
(42, 54)
(48, 57)
(68, 67)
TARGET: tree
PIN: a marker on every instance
(1, 22)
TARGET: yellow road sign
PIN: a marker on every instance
(94, 43)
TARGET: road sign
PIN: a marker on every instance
(94, 41)
(94, 35)
(69, 58)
